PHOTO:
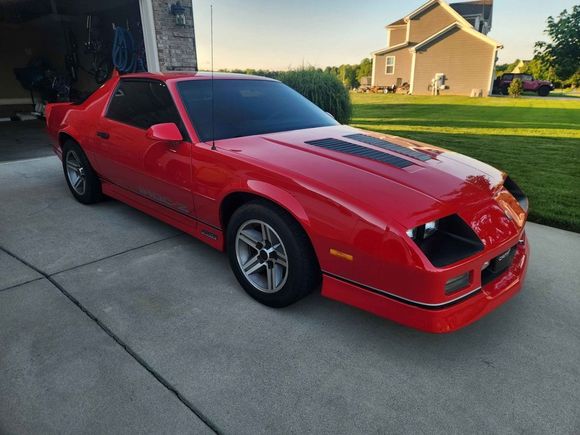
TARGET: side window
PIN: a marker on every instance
(527, 78)
(390, 65)
(508, 76)
(142, 103)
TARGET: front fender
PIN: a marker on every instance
(281, 197)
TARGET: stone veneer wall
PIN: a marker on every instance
(175, 44)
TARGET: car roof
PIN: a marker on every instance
(193, 75)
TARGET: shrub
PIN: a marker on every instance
(516, 88)
(574, 81)
(323, 89)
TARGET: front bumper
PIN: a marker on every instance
(436, 319)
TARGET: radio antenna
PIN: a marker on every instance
(212, 80)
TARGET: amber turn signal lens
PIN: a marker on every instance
(341, 254)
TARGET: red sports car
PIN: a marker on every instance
(426, 237)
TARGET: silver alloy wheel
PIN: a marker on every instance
(75, 172)
(261, 256)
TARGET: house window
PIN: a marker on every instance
(390, 65)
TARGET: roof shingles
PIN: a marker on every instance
(477, 7)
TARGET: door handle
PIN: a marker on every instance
(103, 134)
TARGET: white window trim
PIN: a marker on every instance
(413, 62)
(387, 65)
(373, 79)
(491, 72)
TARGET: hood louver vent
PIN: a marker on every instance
(370, 140)
(359, 151)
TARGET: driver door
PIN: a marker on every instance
(157, 170)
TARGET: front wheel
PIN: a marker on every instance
(271, 255)
(544, 91)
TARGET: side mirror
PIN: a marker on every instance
(167, 132)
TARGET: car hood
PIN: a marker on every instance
(443, 184)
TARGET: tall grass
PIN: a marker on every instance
(323, 89)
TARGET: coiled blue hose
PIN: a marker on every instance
(124, 57)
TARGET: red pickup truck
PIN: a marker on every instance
(541, 87)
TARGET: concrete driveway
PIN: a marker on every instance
(112, 322)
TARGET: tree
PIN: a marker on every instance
(563, 52)
(347, 73)
(365, 69)
(541, 70)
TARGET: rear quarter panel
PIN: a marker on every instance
(79, 121)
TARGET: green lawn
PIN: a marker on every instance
(537, 141)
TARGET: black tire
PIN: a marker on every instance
(303, 271)
(505, 90)
(544, 91)
(92, 192)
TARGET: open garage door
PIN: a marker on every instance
(62, 50)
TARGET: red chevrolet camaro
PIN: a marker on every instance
(426, 237)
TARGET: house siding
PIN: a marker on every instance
(397, 35)
(403, 60)
(429, 22)
(465, 59)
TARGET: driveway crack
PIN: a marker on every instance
(175, 236)
(119, 341)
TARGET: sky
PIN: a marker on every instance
(283, 34)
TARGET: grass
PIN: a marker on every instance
(568, 93)
(537, 141)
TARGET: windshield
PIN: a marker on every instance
(247, 108)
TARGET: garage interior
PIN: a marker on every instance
(59, 50)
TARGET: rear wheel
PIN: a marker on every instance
(79, 174)
(505, 90)
(271, 255)
(544, 91)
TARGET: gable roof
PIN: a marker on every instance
(451, 27)
(393, 48)
(477, 7)
(400, 22)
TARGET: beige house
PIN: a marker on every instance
(440, 48)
